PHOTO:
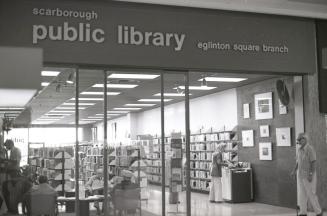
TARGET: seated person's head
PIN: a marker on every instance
(43, 179)
(99, 173)
(127, 175)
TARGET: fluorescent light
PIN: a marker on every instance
(95, 117)
(82, 104)
(171, 94)
(91, 119)
(115, 86)
(116, 111)
(100, 93)
(57, 114)
(223, 79)
(62, 111)
(42, 122)
(140, 105)
(48, 119)
(154, 100)
(133, 76)
(110, 114)
(45, 83)
(90, 99)
(12, 108)
(15, 97)
(50, 73)
(70, 108)
(202, 88)
(127, 108)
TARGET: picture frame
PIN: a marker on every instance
(282, 108)
(283, 136)
(247, 138)
(265, 151)
(263, 104)
(246, 110)
(264, 131)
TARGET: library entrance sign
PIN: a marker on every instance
(129, 35)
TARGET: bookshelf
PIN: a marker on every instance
(202, 146)
(56, 163)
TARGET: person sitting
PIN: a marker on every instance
(128, 181)
(94, 186)
(43, 187)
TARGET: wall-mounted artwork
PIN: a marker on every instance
(247, 138)
(263, 106)
(246, 110)
(283, 136)
(264, 130)
(265, 151)
(282, 108)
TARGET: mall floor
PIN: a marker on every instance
(202, 207)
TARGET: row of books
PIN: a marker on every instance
(200, 174)
(156, 170)
(49, 152)
(204, 156)
(154, 178)
(200, 165)
(211, 137)
(200, 185)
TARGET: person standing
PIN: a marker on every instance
(14, 155)
(215, 194)
(305, 170)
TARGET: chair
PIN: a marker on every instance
(42, 204)
(126, 200)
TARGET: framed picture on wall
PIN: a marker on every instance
(247, 138)
(283, 136)
(282, 108)
(263, 106)
(265, 151)
(264, 130)
(246, 110)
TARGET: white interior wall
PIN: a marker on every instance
(217, 111)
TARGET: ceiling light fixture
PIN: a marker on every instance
(180, 93)
(127, 108)
(45, 84)
(223, 79)
(82, 104)
(71, 78)
(69, 108)
(100, 93)
(204, 88)
(112, 85)
(90, 99)
(133, 76)
(140, 105)
(50, 73)
(154, 100)
(62, 111)
(117, 112)
(112, 114)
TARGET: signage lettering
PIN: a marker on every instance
(129, 35)
(82, 33)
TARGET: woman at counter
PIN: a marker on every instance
(215, 194)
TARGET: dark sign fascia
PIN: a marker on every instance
(159, 37)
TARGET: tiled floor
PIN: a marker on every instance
(202, 207)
